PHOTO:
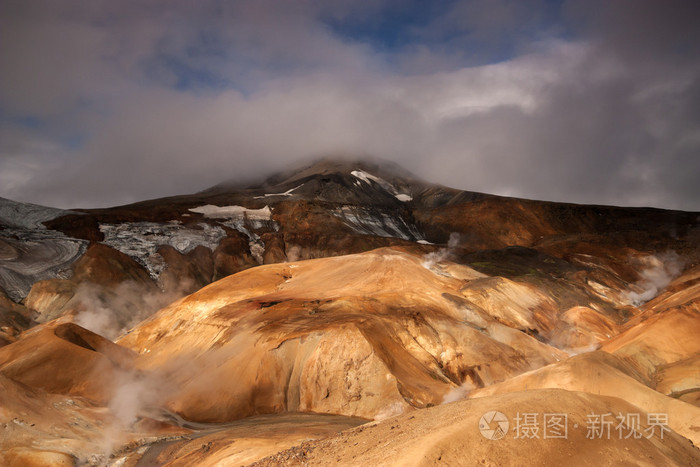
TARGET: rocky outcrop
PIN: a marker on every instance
(28, 256)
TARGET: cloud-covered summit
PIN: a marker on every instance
(103, 103)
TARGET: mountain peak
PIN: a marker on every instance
(328, 165)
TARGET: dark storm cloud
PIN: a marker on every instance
(110, 102)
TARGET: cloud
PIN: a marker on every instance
(114, 103)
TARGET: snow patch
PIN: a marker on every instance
(373, 222)
(141, 240)
(366, 177)
(369, 178)
(245, 221)
(233, 212)
(286, 193)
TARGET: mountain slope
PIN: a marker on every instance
(350, 289)
(450, 435)
(365, 335)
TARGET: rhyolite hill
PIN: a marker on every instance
(335, 294)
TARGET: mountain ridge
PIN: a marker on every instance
(338, 290)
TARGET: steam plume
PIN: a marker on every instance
(435, 257)
(658, 271)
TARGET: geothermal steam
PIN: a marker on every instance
(658, 271)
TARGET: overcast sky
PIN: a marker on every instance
(587, 101)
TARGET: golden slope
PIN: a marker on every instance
(63, 358)
(605, 374)
(450, 435)
(369, 335)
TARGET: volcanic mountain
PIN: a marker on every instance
(353, 304)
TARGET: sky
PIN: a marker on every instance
(588, 101)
